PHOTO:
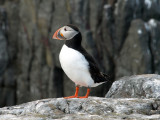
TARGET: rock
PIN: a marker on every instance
(125, 12)
(84, 109)
(7, 81)
(135, 56)
(3, 53)
(151, 9)
(153, 27)
(137, 86)
(3, 42)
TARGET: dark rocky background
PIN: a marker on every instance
(122, 35)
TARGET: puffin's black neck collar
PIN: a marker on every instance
(75, 42)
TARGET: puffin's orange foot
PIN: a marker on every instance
(71, 97)
(83, 97)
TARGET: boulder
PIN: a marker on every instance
(137, 86)
(135, 56)
(151, 9)
(84, 109)
(3, 45)
(154, 29)
(3, 53)
(125, 12)
(7, 81)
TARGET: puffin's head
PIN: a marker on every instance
(66, 33)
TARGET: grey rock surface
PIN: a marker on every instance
(3, 52)
(154, 26)
(137, 86)
(93, 108)
(7, 81)
(3, 43)
(135, 56)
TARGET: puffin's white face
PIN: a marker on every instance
(65, 33)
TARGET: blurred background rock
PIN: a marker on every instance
(122, 35)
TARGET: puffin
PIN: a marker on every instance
(75, 61)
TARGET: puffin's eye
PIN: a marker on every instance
(65, 29)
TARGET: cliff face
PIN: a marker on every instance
(93, 108)
(122, 35)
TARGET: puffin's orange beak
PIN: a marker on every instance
(58, 35)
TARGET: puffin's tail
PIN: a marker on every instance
(107, 77)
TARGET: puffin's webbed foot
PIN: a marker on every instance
(76, 94)
(83, 97)
(71, 97)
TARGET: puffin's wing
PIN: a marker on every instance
(96, 75)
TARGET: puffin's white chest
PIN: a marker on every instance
(75, 66)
